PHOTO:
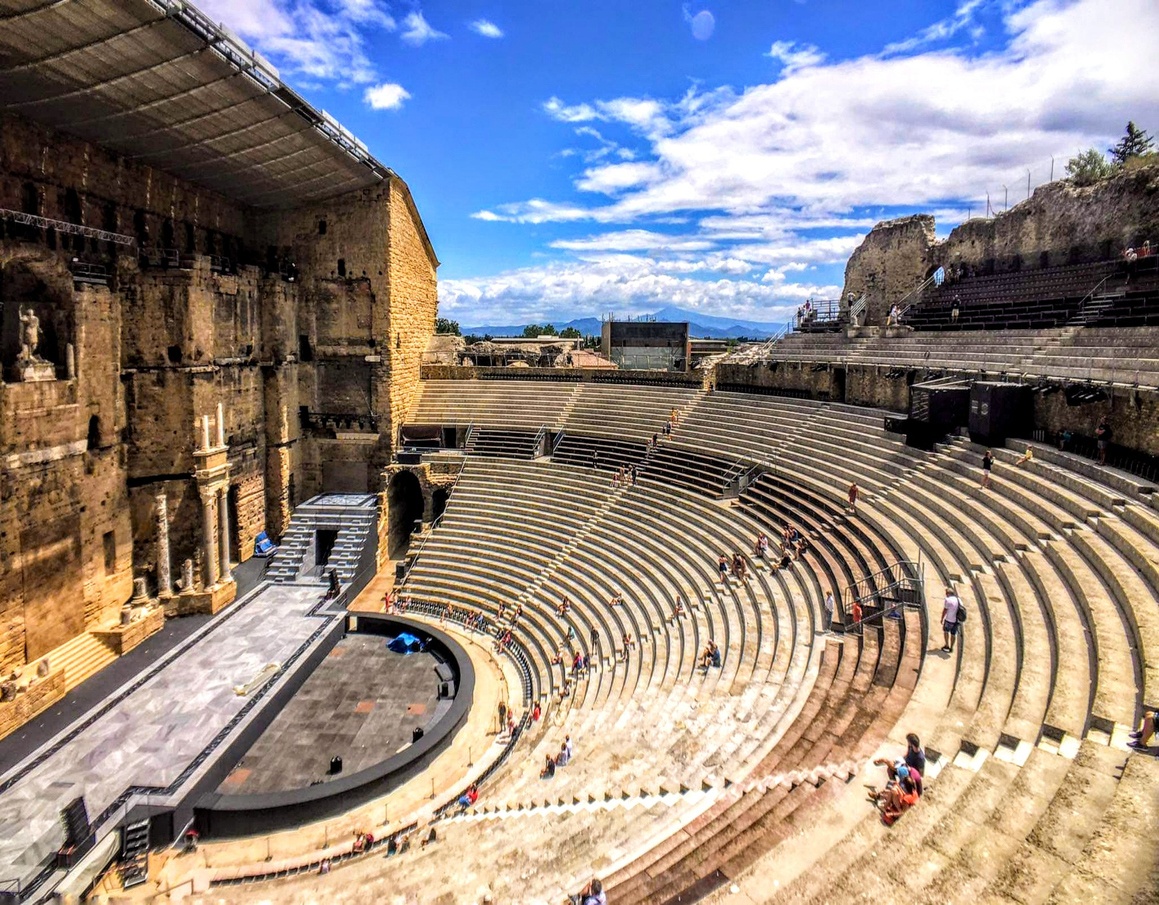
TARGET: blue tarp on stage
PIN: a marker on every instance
(405, 644)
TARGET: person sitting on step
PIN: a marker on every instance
(592, 894)
(1146, 734)
(900, 799)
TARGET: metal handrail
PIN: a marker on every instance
(535, 444)
(1090, 296)
(435, 524)
(857, 308)
(902, 572)
(921, 287)
(558, 440)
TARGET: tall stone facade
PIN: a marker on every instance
(305, 326)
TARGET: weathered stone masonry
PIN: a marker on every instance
(309, 337)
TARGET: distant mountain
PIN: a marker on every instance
(702, 326)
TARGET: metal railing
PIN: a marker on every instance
(344, 421)
(857, 308)
(558, 440)
(902, 307)
(1081, 314)
(537, 443)
(63, 226)
(903, 583)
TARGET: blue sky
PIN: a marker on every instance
(726, 156)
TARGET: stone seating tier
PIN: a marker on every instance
(741, 775)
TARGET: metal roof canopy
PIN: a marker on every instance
(160, 84)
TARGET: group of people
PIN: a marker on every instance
(625, 477)
(903, 787)
(988, 464)
(566, 752)
(734, 565)
(363, 841)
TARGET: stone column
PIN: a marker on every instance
(220, 425)
(205, 431)
(223, 531)
(164, 580)
(209, 554)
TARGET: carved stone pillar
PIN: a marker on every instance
(223, 531)
(164, 579)
(209, 537)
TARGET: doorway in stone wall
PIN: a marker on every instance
(234, 524)
(439, 503)
(404, 498)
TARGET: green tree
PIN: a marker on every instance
(1088, 167)
(569, 333)
(533, 330)
(1134, 143)
(443, 325)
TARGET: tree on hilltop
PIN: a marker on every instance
(1088, 167)
(1134, 143)
(569, 333)
(443, 325)
(533, 330)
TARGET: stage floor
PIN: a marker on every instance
(161, 729)
(361, 704)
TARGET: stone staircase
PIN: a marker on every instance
(355, 519)
(81, 658)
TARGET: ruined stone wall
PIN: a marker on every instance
(892, 260)
(1059, 224)
(73, 180)
(1132, 415)
(65, 536)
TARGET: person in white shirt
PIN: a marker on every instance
(828, 611)
(950, 619)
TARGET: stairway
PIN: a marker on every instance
(353, 517)
(508, 444)
(80, 658)
(135, 854)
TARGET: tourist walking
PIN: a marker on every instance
(1102, 438)
(987, 464)
(951, 610)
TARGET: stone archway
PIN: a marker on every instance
(404, 499)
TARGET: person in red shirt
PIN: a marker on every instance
(898, 800)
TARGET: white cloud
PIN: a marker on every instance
(943, 29)
(759, 185)
(417, 31)
(486, 28)
(306, 37)
(644, 115)
(795, 56)
(580, 113)
(625, 284)
(387, 96)
(633, 240)
(918, 131)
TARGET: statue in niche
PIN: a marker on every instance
(29, 334)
